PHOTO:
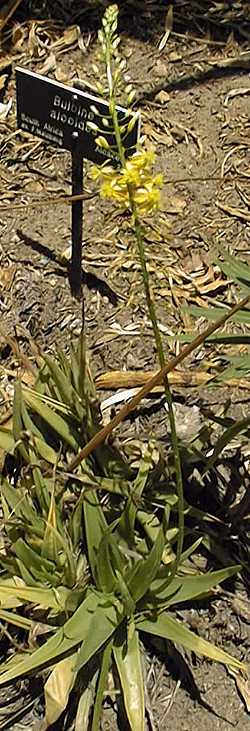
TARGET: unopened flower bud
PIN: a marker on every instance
(105, 122)
(102, 142)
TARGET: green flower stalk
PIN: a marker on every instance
(135, 187)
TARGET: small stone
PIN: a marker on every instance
(161, 68)
(162, 97)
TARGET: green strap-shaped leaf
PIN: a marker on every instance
(169, 628)
(107, 617)
(20, 505)
(145, 570)
(17, 620)
(235, 269)
(101, 686)
(127, 520)
(109, 561)
(40, 568)
(43, 489)
(65, 639)
(185, 588)
(89, 480)
(63, 383)
(55, 421)
(214, 313)
(126, 651)
(224, 440)
(7, 441)
(17, 423)
(95, 527)
(12, 589)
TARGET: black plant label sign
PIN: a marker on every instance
(63, 115)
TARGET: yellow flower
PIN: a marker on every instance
(134, 179)
(130, 175)
(102, 171)
(147, 199)
(143, 159)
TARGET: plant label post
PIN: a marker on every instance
(75, 272)
(68, 117)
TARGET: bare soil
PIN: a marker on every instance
(195, 101)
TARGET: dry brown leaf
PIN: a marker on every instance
(184, 379)
(243, 686)
(81, 44)
(70, 38)
(49, 64)
(7, 276)
(62, 76)
(34, 45)
(131, 379)
(213, 286)
(3, 79)
(33, 186)
(5, 61)
(162, 138)
(5, 109)
(183, 133)
(241, 607)
(19, 35)
(234, 211)
(173, 204)
(236, 92)
(174, 56)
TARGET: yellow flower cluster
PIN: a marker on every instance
(134, 180)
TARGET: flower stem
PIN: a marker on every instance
(151, 308)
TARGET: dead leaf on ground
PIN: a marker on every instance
(184, 132)
(69, 39)
(5, 61)
(113, 380)
(162, 138)
(33, 186)
(5, 109)
(49, 64)
(236, 92)
(3, 79)
(131, 379)
(241, 213)
(35, 47)
(173, 204)
(19, 36)
(241, 607)
(243, 686)
(7, 276)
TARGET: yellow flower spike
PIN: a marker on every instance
(135, 175)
